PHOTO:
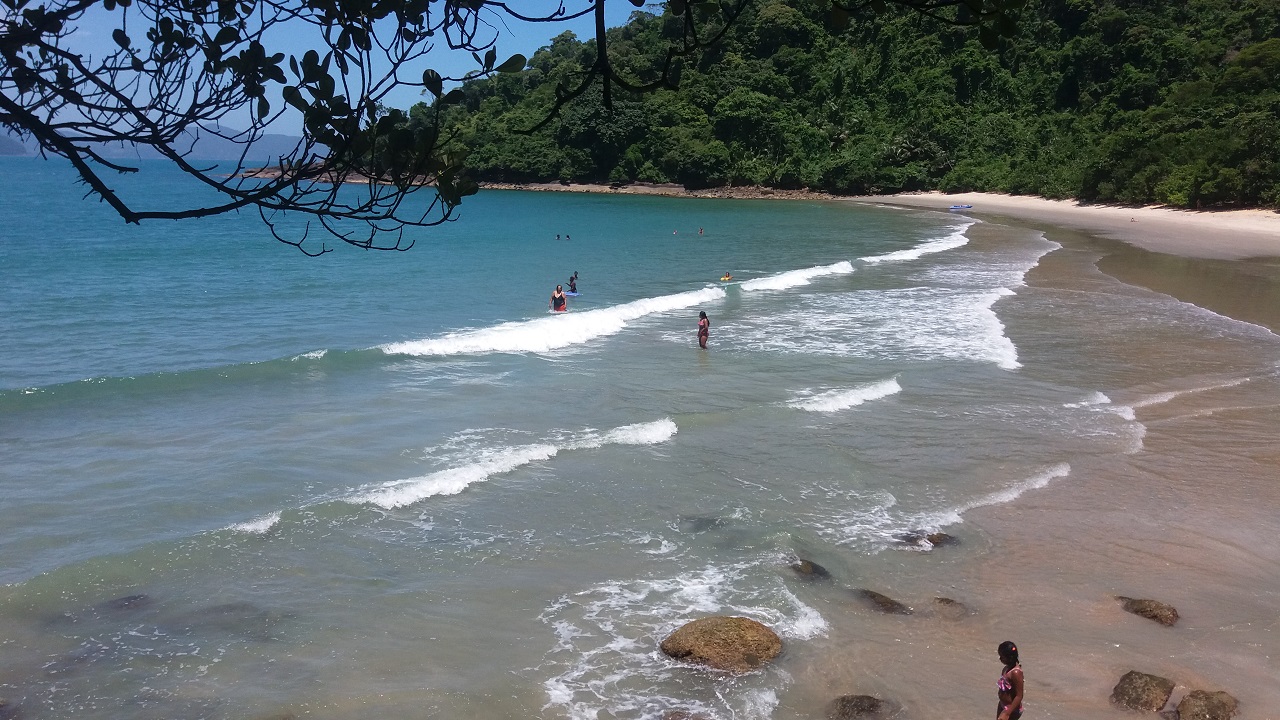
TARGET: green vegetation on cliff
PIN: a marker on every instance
(1131, 101)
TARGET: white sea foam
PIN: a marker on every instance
(257, 526)
(604, 656)
(876, 521)
(313, 355)
(845, 398)
(795, 278)
(955, 239)
(1035, 482)
(1096, 398)
(898, 324)
(496, 461)
(552, 332)
(1164, 397)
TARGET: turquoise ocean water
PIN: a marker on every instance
(240, 482)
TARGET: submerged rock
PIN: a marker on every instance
(129, 602)
(735, 644)
(695, 524)
(882, 603)
(951, 609)
(682, 715)
(810, 570)
(1204, 705)
(1151, 609)
(1140, 691)
(854, 707)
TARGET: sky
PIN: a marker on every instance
(93, 36)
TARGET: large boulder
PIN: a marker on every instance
(1204, 705)
(1140, 691)
(1151, 609)
(809, 570)
(860, 707)
(882, 603)
(735, 644)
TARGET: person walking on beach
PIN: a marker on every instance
(704, 329)
(1009, 686)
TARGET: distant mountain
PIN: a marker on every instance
(266, 150)
(9, 146)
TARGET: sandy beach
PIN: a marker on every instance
(1223, 235)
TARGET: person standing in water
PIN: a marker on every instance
(573, 283)
(559, 302)
(704, 329)
(1010, 685)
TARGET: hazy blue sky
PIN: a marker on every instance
(93, 36)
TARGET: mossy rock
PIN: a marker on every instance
(860, 707)
(1162, 613)
(735, 644)
(1140, 691)
(1204, 705)
(951, 609)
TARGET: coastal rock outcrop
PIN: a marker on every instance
(809, 570)
(860, 707)
(882, 603)
(1151, 609)
(922, 539)
(1204, 705)
(1140, 691)
(735, 644)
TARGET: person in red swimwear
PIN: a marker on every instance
(1010, 685)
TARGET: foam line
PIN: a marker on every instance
(553, 332)
(257, 526)
(956, 239)
(795, 278)
(845, 398)
(497, 461)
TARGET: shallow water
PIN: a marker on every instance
(395, 485)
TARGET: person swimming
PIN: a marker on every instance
(559, 303)
(727, 277)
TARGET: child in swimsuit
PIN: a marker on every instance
(1010, 685)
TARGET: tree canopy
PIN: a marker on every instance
(179, 68)
(1122, 101)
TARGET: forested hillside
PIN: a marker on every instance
(1131, 101)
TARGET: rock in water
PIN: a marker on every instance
(1140, 691)
(1203, 705)
(735, 644)
(1150, 609)
(883, 603)
(857, 707)
(810, 570)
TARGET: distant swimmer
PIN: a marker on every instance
(573, 285)
(559, 302)
(557, 236)
(699, 231)
(726, 278)
(704, 329)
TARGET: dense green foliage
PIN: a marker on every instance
(1131, 101)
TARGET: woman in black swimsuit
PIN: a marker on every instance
(558, 300)
(1009, 686)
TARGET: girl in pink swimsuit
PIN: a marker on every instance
(1009, 686)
